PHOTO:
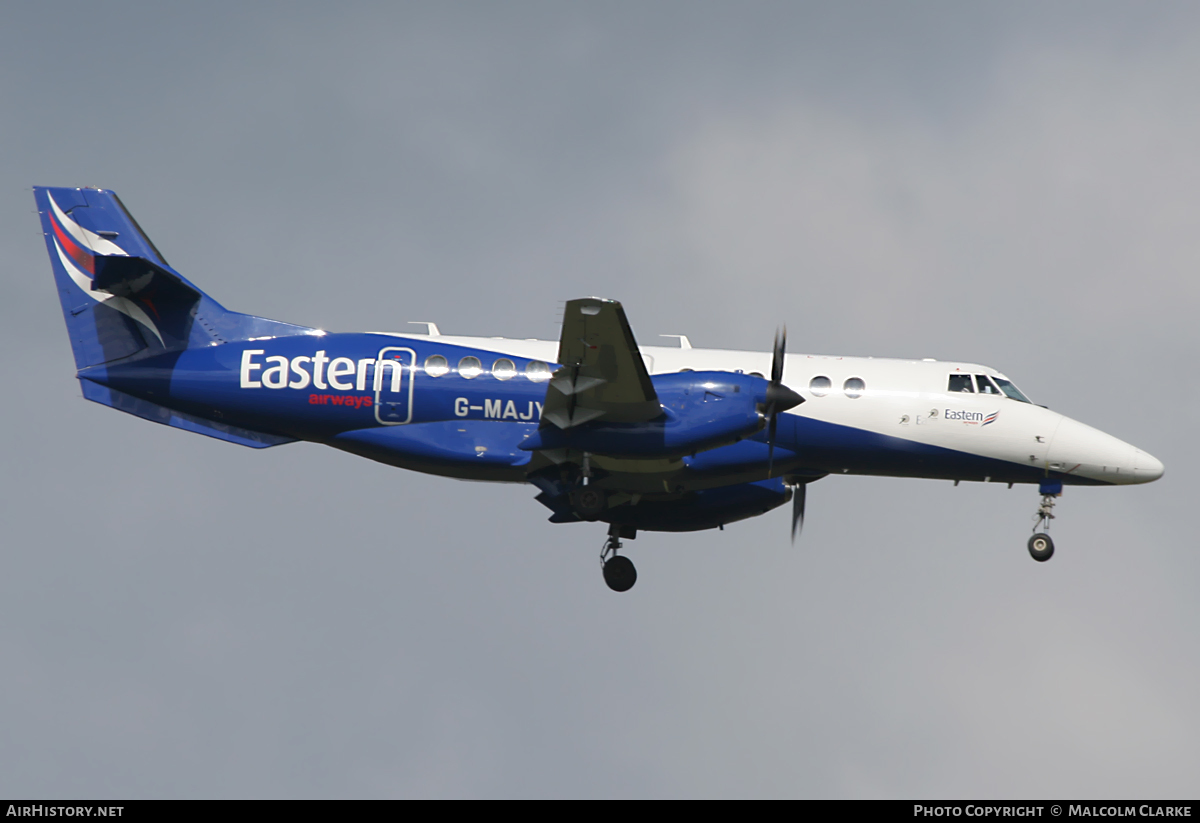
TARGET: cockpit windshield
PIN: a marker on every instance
(1012, 391)
(985, 385)
(960, 383)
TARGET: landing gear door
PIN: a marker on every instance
(392, 379)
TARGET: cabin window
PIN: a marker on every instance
(820, 385)
(986, 386)
(537, 371)
(757, 374)
(961, 383)
(854, 387)
(1012, 391)
(436, 365)
(470, 367)
(504, 369)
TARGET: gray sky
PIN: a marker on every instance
(1015, 184)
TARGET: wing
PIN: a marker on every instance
(603, 376)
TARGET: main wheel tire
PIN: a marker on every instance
(620, 574)
(589, 502)
(1041, 547)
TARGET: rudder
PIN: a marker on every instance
(118, 296)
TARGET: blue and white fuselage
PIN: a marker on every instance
(372, 394)
(656, 438)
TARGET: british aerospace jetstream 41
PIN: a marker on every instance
(643, 439)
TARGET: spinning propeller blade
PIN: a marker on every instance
(798, 495)
(779, 397)
(777, 355)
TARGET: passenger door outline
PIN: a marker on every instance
(402, 406)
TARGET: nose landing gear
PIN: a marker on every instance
(1041, 547)
(619, 572)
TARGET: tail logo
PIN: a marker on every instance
(77, 249)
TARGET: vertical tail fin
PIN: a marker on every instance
(123, 302)
(119, 296)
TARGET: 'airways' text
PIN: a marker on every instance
(353, 401)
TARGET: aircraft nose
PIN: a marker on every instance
(1146, 467)
(1086, 452)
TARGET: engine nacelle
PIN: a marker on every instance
(705, 509)
(700, 411)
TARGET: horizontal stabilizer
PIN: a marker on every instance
(180, 420)
(127, 275)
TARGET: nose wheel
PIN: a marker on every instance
(1041, 547)
(619, 571)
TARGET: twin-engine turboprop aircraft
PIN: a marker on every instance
(651, 439)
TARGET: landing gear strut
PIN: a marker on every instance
(619, 572)
(1041, 547)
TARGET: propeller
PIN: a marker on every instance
(779, 397)
(798, 494)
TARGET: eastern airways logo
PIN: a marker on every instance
(972, 418)
(280, 372)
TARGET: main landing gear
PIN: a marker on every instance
(589, 502)
(1041, 547)
(619, 572)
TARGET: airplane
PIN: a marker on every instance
(664, 438)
